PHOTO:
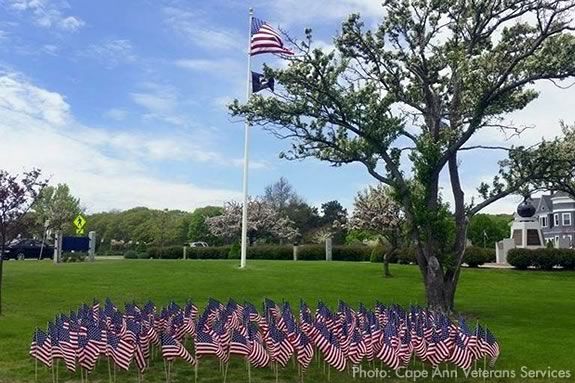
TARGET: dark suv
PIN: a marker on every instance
(27, 248)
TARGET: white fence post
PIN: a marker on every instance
(58, 247)
(328, 249)
(92, 248)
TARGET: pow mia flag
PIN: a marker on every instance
(259, 82)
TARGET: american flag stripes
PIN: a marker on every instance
(265, 39)
(172, 349)
(41, 348)
(343, 337)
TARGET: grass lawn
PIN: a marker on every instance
(531, 313)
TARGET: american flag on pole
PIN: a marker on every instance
(120, 351)
(265, 39)
(41, 348)
(172, 349)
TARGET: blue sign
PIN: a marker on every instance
(75, 244)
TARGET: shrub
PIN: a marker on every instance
(566, 258)
(377, 254)
(277, 252)
(311, 253)
(475, 256)
(545, 259)
(490, 256)
(73, 257)
(217, 252)
(357, 253)
(520, 258)
(235, 251)
(170, 252)
(131, 254)
(144, 255)
(406, 255)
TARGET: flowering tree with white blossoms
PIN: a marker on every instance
(263, 220)
(375, 210)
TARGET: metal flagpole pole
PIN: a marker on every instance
(246, 153)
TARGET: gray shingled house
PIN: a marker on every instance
(556, 213)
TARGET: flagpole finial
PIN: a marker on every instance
(251, 11)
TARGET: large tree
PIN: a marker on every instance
(17, 194)
(405, 98)
(376, 210)
(198, 229)
(280, 194)
(264, 221)
(55, 208)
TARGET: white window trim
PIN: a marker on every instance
(543, 221)
(557, 239)
(555, 219)
(565, 215)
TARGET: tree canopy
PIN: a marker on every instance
(17, 195)
(405, 98)
(57, 207)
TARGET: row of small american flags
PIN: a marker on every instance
(272, 336)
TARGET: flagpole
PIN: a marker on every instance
(246, 153)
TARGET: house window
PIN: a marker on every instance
(566, 219)
(543, 221)
(570, 238)
(557, 240)
(556, 220)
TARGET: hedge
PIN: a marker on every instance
(545, 258)
(475, 256)
(272, 252)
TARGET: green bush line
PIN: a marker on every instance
(544, 258)
(474, 256)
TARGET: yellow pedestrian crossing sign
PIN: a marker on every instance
(80, 222)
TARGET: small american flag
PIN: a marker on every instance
(280, 347)
(120, 351)
(387, 352)
(172, 349)
(265, 39)
(88, 348)
(41, 348)
(68, 350)
(206, 345)
(357, 349)
(239, 344)
(461, 355)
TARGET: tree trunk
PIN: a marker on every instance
(2, 247)
(386, 256)
(435, 291)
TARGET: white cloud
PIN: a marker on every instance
(50, 49)
(48, 14)
(190, 26)
(223, 67)
(111, 52)
(288, 12)
(106, 170)
(116, 114)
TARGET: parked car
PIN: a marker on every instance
(198, 244)
(27, 248)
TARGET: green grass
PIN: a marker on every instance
(531, 313)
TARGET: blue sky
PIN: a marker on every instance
(125, 101)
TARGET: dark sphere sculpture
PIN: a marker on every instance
(526, 209)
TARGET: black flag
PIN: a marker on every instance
(259, 82)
